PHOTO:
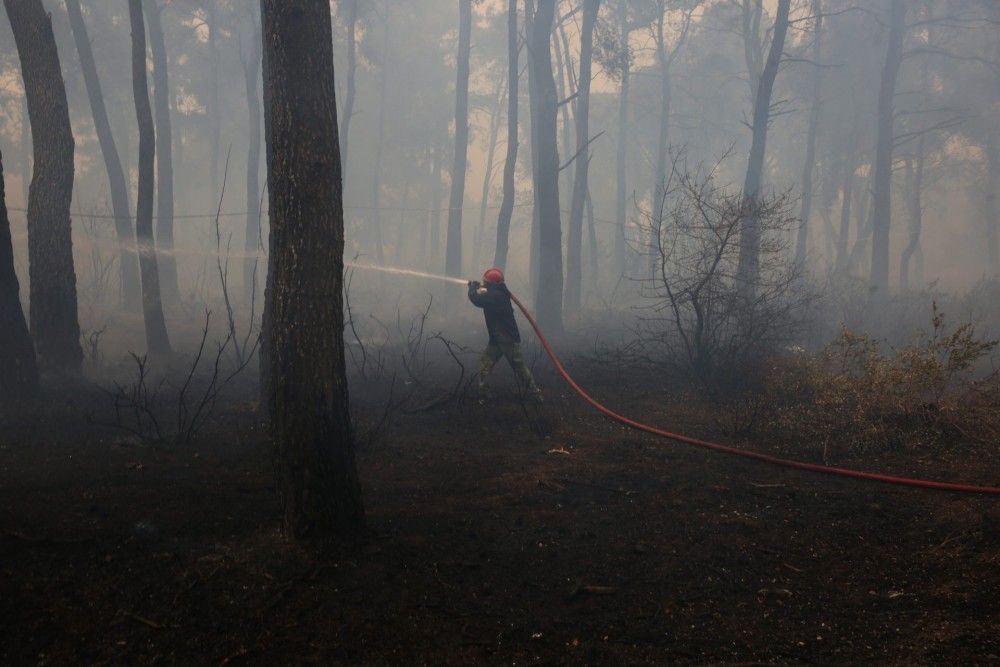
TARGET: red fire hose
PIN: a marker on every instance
(799, 465)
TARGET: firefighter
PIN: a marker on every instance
(493, 297)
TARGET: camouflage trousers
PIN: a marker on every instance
(512, 352)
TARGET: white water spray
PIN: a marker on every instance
(405, 272)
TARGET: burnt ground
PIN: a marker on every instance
(494, 538)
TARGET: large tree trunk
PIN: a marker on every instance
(749, 262)
(164, 157)
(453, 241)
(813, 129)
(306, 387)
(533, 259)
(18, 369)
(623, 125)
(549, 290)
(510, 166)
(157, 341)
(117, 185)
(574, 248)
(251, 77)
(882, 178)
(53, 310)
(352, 68)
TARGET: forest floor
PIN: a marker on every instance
(498, 534)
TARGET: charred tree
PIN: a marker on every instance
(810, 159)
(915, 208)
(18, 369)
(510, 165)
(53, 310)
(251, 78)
(749, 263)
(453, 240)
(157, 341)
(164, 156)
(117, 185)
(581, 170)
(549, 287)
(884, 144)
(306, 386)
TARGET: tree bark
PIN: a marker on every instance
(157, 341)
(453, 241)
(663, 60)
(533, 259)
(251, 78)
(164, 156)
(847, 189)
(621, 158)
(117, 185)
(510, 165)
(749, 261)
(53, 311)
(432, 259)
(574, 249)
(810, 159)
(549, 289)
(306, 387)
(18, 368)
(882, 178)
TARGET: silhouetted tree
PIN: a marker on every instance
(164, 155)
(157, 341)
(53, 309)
(306, 385)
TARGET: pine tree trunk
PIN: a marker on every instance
(992, 206)
(574, 251)
(549, 290)
(117, 185)
(533, 258)
(306, 386)
(18, 369)
(453, 241)
(53, 310)
(251, 77)
(884, 144)
(847, 190)
(433, 257)
(157, 341)
(510, 165)
(662, 140)
(164, 157)
(748, 269)
(487, 181)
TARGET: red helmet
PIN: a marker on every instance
(493, 275)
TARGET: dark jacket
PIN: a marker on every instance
(495, 302)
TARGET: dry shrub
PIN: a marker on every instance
(858, 395)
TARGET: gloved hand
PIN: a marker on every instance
(474, 284)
